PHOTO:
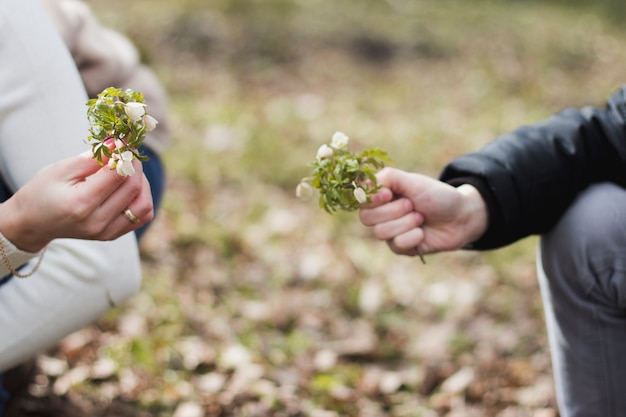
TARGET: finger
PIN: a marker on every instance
(399, 182)
(117, 200)
(120, 223)
(120, 199)
(84, 165)
(106, 181)
(97, 185)
(408, 243)
(141, 207)
(75, 168)
(119, 226)
(396, 227)
(390, 211)
(383, 196)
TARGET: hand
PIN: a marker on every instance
(75, 198)
(417, 214)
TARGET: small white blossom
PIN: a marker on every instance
(339, 141)
(135, 111)
(324, 151)
(360, 195)
(119, 144)
(124, 165)
(304, 191)
(150, 122)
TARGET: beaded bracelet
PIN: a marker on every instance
(11, 268)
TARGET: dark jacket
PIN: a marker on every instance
(530, 176)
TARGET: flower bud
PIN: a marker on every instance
(150, 122)
(360, 195)
(324, 151)
(304, 191)
(339, 140)
(135, 111)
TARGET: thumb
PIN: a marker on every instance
(392, 185)
(82, 166)
(102, 180)
(73, 169)
(400, 183)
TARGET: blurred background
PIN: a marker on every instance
(257, 304)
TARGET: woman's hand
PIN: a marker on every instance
(75, 198)
(417, 214)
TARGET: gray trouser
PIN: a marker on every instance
(582, 273)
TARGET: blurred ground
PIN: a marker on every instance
(257, 304)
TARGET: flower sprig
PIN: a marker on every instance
(118, 116)
(344, 179)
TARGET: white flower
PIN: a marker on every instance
(135, 111)
(324, 151)
(360, 195)
(304, 191)
(119, 144)
(150, 122)
(339, 140)
(124, 165)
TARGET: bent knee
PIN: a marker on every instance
(596, 219)
(112, 268)
(587, 244)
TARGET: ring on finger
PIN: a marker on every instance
(131, 216)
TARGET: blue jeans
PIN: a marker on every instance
(4, 397)
(155, 173)
(153, 169)
(582, 274)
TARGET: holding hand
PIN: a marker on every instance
(416, 214)
(76, 198)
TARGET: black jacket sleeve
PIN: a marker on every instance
(530, 176)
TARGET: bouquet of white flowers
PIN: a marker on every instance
(118, 116)
(344, 179)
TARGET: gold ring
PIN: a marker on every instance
(131, 216)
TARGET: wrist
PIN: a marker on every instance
(17, 231)
(476, 218)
